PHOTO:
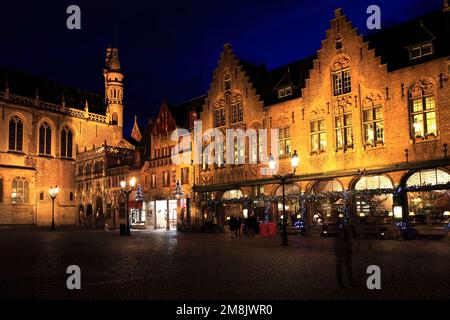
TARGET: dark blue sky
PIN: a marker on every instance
(168, 49)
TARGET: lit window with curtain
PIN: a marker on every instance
(318, 137)
(344, 131)
(422, 109)
(66, 143)
(284, 142)
(45, 139)
(15, 134)
(373, 125)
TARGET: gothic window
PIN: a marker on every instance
(19, 190)
(238, 114)
(45, 139)
(344, 131)
(284, 142)
(239, 149)
(66, 143)
(318, 137)
(341, 76)
(373, 125)
(256, 151)
(15, 134)
(423, 110)
(219, 117)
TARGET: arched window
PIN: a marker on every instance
(45, 139)
(15, 134)
(19, 190)
(341, 76)
(374, 208)
(327, 209)
(115, 119)
(422, 106)
(66, 143)
(427, 205)
(232, 194)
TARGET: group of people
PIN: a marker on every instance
(240, 227)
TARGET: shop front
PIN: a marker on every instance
(428, 198)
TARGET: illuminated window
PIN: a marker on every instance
(19, 190)
(318, 137)
(66, 143)
(238, 153)
(256, 150)
(45, 139)
(15, 134)
(423, 117)
(373, 125)
(284, 142)
(344, 131)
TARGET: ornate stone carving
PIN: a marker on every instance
(317, 112)
(341, 62)
(372, 99)
(343, 104)
(422, 87)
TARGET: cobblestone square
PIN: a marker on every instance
(171, 265)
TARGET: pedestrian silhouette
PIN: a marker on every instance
(344, 249)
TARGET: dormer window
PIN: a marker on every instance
(285, 92)
(421, 50)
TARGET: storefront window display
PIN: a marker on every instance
(327, 209)
(374, 208)
(427, 205)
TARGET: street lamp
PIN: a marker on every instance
(127, 192)
(53, 193)
(284, 179)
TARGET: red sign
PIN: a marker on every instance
(135, 204)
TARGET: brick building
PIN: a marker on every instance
(367, 115)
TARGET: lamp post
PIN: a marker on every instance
(284, 178)
(178, 193)
(128, 191)
(53, 193)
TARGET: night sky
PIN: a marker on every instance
(168, 49)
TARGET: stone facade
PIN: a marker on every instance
(32, 159)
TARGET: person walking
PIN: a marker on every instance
(251, 226)
(232, 226)
(344, 249)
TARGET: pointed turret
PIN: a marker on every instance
(136, 133)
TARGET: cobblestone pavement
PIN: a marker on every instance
(170, 265)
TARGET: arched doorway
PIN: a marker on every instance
(328, 204)
(90, 218)
(292, 207)
(99, 216)
(373, 208)
(428, 197)
(81, 215)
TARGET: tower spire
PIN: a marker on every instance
(136, 133)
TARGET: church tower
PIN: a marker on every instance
(113, 87)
